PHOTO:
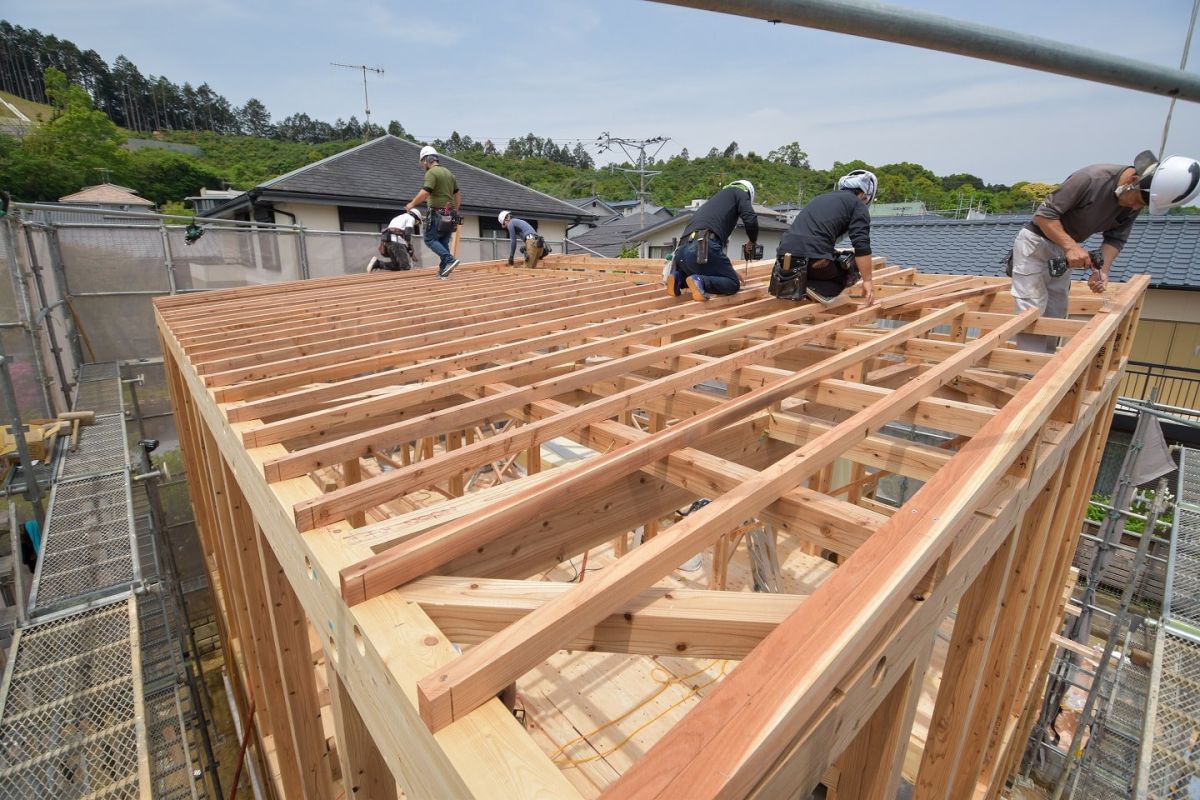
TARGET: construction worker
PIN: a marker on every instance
(534, 245)
(807, 265)
(1101, 198)
(440, 190)
(700, 259)
(395, 243)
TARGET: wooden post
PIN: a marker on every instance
(365, 775)
(352, 474)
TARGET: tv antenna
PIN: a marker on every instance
(366, 102)
(606, 141)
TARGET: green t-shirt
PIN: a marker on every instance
(441, 185)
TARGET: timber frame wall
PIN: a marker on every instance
(274, 386)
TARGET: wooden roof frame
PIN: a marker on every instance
(273, 383)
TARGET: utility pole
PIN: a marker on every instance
(366, 101)
(605, 141)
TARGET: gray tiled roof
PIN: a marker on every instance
(607, 239)
(1168, 248)
(388, 169)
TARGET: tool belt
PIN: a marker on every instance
(789, 277)
(701, 238)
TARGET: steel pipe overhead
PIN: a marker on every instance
(890, 23)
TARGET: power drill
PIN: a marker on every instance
(752, 251)
(1059, 266)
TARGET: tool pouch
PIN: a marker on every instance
(702, 249)
(1057, 267)
(789, 278)
(1008, 263)
(447, 221)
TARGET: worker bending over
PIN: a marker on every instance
(700, 259)
(534, 246)
(807, 265)
(1101, 198)
(440, 189)
(395, 243)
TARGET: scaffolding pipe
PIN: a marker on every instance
(890, 23)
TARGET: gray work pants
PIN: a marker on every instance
(1034, 287)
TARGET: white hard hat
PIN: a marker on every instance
(503, 216)
(860, 180)
(416, 212)
(745, 186)
(1172, 183)
(427, 151)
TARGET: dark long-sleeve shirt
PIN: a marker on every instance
(825, 219)
(720, 214)
(1086, 203)
(518, 229)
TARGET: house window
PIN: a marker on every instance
(365, 220)
(661, 251)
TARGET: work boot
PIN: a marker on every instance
(674, 280)
(373, 264)
(445, 270)
(696, 284)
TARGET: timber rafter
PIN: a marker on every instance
(748, 401)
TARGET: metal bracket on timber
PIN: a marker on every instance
(780, 413)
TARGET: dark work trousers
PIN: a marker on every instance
(718, 274)
(825, 277)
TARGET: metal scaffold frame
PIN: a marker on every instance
(91, 702)
(1169, 763)
(276, 388)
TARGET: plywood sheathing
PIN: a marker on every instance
(752, 401)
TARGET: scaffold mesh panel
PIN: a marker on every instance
(1175, 763)
(104, 371)
(1189, 476)
(1184, 602)
(101, 449)
(88, 545)
(103, 397)
(69, 727)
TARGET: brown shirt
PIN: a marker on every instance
(1086, 203)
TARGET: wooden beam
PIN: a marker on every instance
(666, 622)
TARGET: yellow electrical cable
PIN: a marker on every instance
(663, 686)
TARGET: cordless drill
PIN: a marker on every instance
(1059, 266)
(752, 251)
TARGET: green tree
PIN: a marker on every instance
(64, 154)
(164, 175)
(789, 154)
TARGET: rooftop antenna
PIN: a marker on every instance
(366, 101)
(606, 141)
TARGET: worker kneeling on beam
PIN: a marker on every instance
(807, 263)
(1101, 198)
(534, 246)
(700, 260)
(395, 243)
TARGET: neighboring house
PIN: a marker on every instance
(208, 199)
(659, 238)
(636, 208)
(602, 210)
(1166, 349)
(360, 189)
(110, 197)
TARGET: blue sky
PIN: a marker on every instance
(572, 69)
